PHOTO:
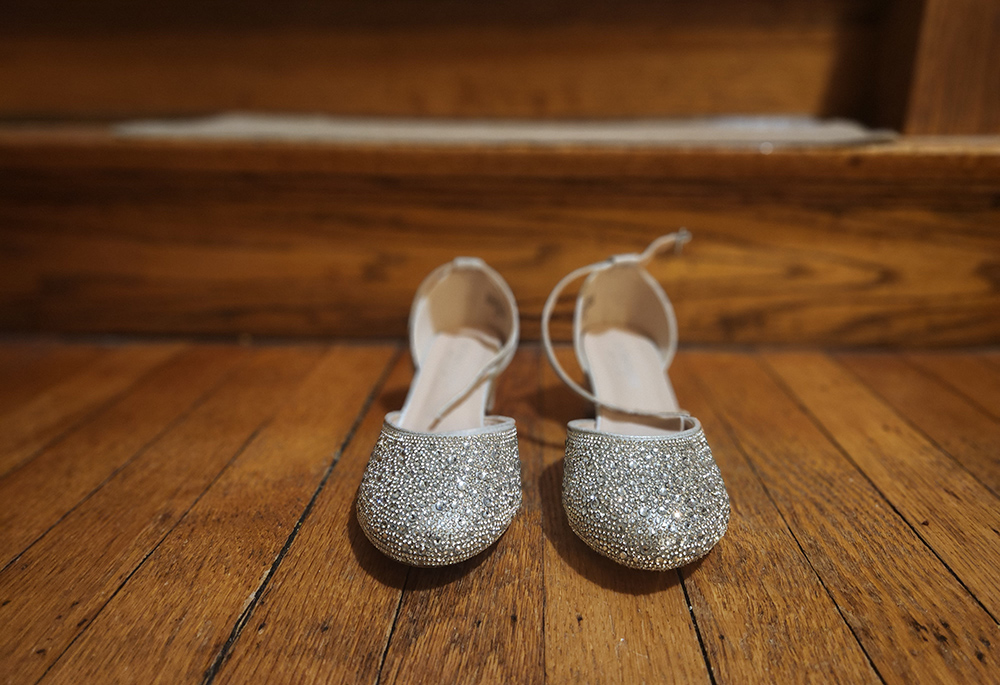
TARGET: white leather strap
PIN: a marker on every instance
(658, 246)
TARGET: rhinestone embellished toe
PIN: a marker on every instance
(435, 499)
(652, 503)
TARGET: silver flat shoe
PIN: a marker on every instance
(640, 485)
(444, 480)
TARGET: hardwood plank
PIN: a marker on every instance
(890, 245)
(441, 58)
(52, 593)
(604, 622)
(35, 424)
(758, 570)
(327, 613)
(37, 495)
(26, 369)
(952, 422)
(975, 377)
(954, 513)
(915, 621)
(955, 85)
(482, 621)
(210, 568)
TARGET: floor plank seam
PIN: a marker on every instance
(927, 373)
(833, 441)
(392, 627)
(767, 492)
(697, 630)
(940, 448)
(534, 431)
(246, 443)
(89, 415)
(244, 618)
(139, 452)
(805, 556)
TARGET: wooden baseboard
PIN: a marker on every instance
(895, 244)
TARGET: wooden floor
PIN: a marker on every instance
(183, 513)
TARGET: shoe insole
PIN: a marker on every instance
(626, 370)
(450, 364)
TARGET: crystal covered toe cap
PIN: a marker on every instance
(431, 499)
(648, 502)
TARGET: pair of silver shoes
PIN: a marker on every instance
(640, 485)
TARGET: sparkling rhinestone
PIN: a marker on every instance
(646, 518)
(410, 509)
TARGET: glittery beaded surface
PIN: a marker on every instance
(431, 499)
(649, 502)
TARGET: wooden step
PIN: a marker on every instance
(919, 67)
(889, 244)
(552, 59)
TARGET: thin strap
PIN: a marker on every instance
(675, 240)
(495, 366)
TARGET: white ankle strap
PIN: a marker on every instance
(658, 246)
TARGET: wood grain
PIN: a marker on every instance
(441, 58)
(228, 550)
(756, 595)
(975, 377)
(604, 622)
(327, 613)
(37, 495)
(482, 621)
(231, 538)
(956, 82)
(886, 245)
(25, 431)
(953, 423)
(953, 512)
(53, 592)
(912, 616)
(26, 369)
